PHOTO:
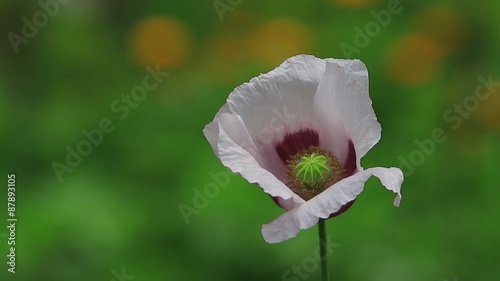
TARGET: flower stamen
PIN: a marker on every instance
(312, 170)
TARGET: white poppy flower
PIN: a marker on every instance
(299, 132)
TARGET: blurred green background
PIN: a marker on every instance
(118, 209)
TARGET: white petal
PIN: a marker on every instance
(329, 201)
(279, 102)
(211, 130)
(288, 89)
(237, 151)
(342, 100)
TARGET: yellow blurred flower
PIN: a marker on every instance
(446, 27)
(414, 59)
(356, 3)
(160, 40)
(279, 39)
(489, 111)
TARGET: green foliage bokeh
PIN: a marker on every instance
(119, 208)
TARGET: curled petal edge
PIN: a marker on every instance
(237, 152)
(306, 215)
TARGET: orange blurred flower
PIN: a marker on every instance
(160, 40)
(279, 39)
(356, 3)
(445, 26)
(414, 59)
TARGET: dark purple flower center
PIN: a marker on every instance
(350, 163)
(294, 143)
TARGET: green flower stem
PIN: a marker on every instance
(323, 246)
